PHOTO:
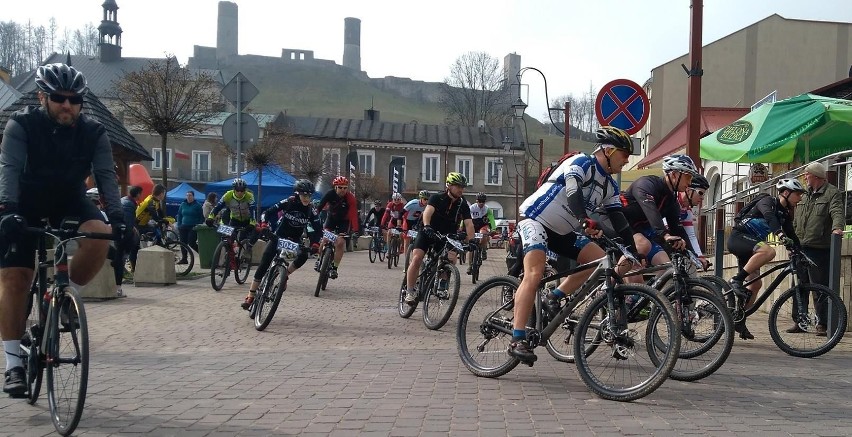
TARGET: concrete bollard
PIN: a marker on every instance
(102, 286)
(155, 266)
(364, 242)
(257, 252)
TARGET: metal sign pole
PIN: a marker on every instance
(239, 125)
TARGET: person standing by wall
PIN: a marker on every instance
(190, 214)
(210, 203)
(817, 217)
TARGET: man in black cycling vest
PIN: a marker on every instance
(297, 213)
(442, 214)
(45, 157)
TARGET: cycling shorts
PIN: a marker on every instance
(535, 236)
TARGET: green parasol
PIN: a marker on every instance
(807, 127)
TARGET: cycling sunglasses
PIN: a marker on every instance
(59, 98)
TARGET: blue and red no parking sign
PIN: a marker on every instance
(624, 104)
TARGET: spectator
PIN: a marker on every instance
(190, 214)
(818, 215)
(209, 204)
(130, 245)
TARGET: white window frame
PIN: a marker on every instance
(372, 158)
(333, 167)
(197, 171)
(498, 161)
(156, 164)
(232, 164)
(427, 157)
(469, 174)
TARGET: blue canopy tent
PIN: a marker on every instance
(277, 184)
(177, 195)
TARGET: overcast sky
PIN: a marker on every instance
(576, 44)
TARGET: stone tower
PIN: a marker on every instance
(109, 43)
(227, 30)
(511, 67)
(352, 43)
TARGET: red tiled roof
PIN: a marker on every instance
(712, 119)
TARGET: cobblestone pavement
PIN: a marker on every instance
(185, 360)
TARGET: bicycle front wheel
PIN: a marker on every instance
(372, 250)
(269, 297)
(179, 248)
(325, 264)
(484, 330)
(380, 248)
(560, 345)
(619, 369)
(220, 267)
(243, 263)
(475, 262)
(439, 302)
(815, 316)
(33, 364)
(68, 362)
(707, 334)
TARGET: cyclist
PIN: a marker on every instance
(46, 154)
(411, 214)
(149, 212)
(554, 213)
(374, 216)
(298, 213)
(442, 213)
(763, 216)
(342, 218)
(649, 200)
(483, 221)
(689, 200)
(392, 217)
(240, 202)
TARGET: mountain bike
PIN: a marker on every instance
(164, 237)
(475, 258)
(805, 306)
(274, 283)
(326, 258)
(231, 255)
(612, 359)
(437, 284)
(377, 244)
(395, 247)
(57, 335)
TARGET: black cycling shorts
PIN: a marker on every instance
(79, 208)
(742, 245)
(337, 226)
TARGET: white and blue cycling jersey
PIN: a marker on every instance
(549, 204)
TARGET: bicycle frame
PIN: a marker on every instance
(786, 269)
(432, 259)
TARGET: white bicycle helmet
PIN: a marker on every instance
(681, 163)
(790, 184)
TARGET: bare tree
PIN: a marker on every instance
(367, 187)
(167, 99)
(475, 90)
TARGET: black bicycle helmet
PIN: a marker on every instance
(481, 197)
(303, 186)
(239, 184)
(699, 182)
(615, 137)
(51, 78)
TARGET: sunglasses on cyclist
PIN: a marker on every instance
(304, 194)
(342, 187)
(59, 98)
(700, 192)
(240, 190)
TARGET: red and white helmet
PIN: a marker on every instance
(340, 180)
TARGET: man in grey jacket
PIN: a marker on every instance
(817, 217)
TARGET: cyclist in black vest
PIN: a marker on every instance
(45, 157)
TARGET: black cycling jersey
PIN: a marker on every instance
(647, 201)
(375, 214)
(341, 211)
(294, 219)
(448, 212)
(771, 217)
(42, 159)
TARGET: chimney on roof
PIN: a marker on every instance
(371, 114)
(109, 44)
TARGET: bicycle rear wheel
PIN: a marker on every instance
(707, 337)
(439, 303)
(484, 330)
(220, 266)
(807, 307)
(475, 262)
(269, 297)
(68, 362)
(243, 263)
(179, 248)
(560, 345)
(619, 369)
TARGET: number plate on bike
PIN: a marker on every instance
(456, 245)
(225, 230)
(551, 255)
(477, 235)
(412, 234)
(330, 236)
(394, 231)
(287, 246)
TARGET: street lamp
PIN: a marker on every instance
(519, 107)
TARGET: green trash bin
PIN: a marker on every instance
(208, 239)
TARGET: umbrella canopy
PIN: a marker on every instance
(806, 127)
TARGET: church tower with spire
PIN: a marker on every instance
(109, 45)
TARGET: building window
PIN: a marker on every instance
(158, 159)
(300, 160)
(431, 167)
(464, 165)
(201, 166)
(366, 161)
(232, 164)
(493, 171)
(331, 162)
